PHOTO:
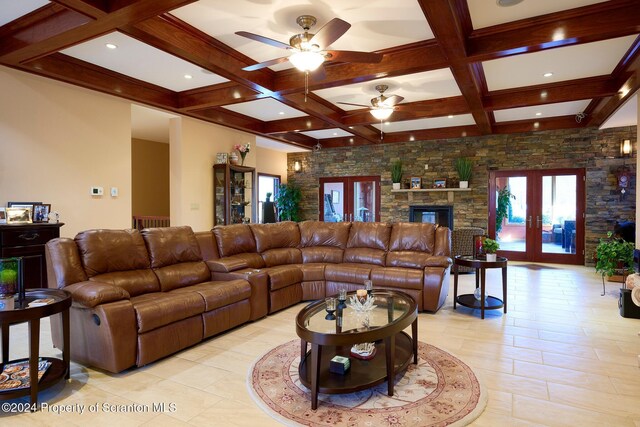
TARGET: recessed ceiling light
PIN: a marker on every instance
(543, 94)
(549, 74)
(188, 76)
(464, 134)
(538, 114)
(350, 140)
(281, 113)
(450, 116)
(536, 125)
(412, 138)
(111, 46)
(507, 3)
(335, 134)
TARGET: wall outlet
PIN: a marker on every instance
(96, 191)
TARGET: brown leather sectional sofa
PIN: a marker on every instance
(140, 296)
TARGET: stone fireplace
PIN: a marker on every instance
(441, 215)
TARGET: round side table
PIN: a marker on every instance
(480, 265)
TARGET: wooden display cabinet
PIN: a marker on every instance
(233, 194)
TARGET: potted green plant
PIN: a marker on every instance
(463, 167)
(503, 204)
(396, 174)
(490, 247)
(614, 256)
(288, 201)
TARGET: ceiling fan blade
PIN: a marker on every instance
(264, 64)
(392, 101)
(319, 73)
(354, 56)
(262, 39)
(331, 32)
(355, 105)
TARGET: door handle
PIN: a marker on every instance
(529, 220)
(538, 221)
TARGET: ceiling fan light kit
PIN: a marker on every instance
(306, 61)
(382, 113)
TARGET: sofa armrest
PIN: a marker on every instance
(439, 261)
(226, 265)
(89, 294)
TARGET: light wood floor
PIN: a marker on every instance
(562, 355)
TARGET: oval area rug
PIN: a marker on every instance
(440, 390)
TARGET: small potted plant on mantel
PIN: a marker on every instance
(490, 247)
(463, 166)
(396, 174)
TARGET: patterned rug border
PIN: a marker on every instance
(468, 419)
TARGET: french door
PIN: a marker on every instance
(543, 220)
(349, 198)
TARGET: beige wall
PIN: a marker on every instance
(272, 162)
(56, 141)
(149, 177)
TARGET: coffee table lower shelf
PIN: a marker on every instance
(362, 374)
(469, 300)
(54, 374)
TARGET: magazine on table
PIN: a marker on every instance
(15, 376)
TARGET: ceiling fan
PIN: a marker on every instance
(309, 51)
(381, 106)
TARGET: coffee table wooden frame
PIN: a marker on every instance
(393, 355)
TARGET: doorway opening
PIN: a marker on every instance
(267, 183)
(349, 198)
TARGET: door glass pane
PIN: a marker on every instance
(364, 201)
(511, 213)
(333, 202)
(558, 222)
(266, 185)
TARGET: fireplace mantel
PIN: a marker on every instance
(449, 192)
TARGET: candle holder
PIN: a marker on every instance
(342, 298)
(11, 278)
(368, 286)
(330, 308)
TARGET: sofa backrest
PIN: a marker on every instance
(175, 257)
(64, 266)
(277, 243)
(323, 241)
(118, 257)
(411, 244)
(237, 240)
(208, 247)
(443, 242)
(368, 243)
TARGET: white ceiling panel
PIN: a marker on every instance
(485, 13)
(263, 142)
(431, 123)
(566, 63)
(627, 115)
(266, 109)
(413, 87)
(375, 24)
(141, 61)
(549, 110)
(14, 9)
(326, 133)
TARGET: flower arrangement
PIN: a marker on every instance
(243, 149)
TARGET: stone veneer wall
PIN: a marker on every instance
(596, 151)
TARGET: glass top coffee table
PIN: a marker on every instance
(394, 312)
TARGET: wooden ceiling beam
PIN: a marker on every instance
(551, 123)
(230, 119)
(450, 22)
(92, 8)
(295, 139)
(586, 24)
(408, 136)
(297, 124)
(216, 95)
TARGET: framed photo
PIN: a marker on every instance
(3, 215)
(440, 183)
(222, 158)
(22, 205)
(19, 215)
(416, 182)
(41, 212)
(335, 196)
(478, 246)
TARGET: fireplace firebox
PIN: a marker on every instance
(441, 215)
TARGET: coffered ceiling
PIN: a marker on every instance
(464, 67)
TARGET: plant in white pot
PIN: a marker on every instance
(463, 166)
(490, 247)
(396, 174)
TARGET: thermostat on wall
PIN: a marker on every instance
(97, 191)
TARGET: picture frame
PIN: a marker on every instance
(22, 204)
(19, 215)
(478, 246)
(3, 215)
(41, 212)
(440, 183)
(222, 158)
(416, 183)
(335, 196)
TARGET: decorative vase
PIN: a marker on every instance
(464, 184)
(491, 257)
(396, 186)
(233, 158)
(243, 155)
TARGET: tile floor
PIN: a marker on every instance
(562, 355)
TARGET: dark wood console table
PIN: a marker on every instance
(27, 241)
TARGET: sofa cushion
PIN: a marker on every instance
(106, 251)
(182, 274)
(372, 235)
(134, 282)
(402, 278)
(218, 294)
(274, 236)
(283, 256)
(234, 239)
(365, 256)
(413, 236)
(407, 259)
(283, 276)
(347, 273)
(318, 233)
(159, 309)
(322, 254)
(171, 245)
(313, 272)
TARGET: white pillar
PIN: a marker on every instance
(175, 171)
